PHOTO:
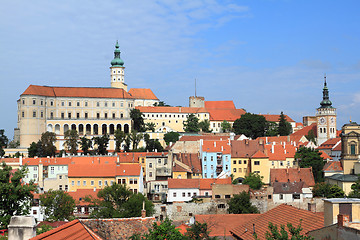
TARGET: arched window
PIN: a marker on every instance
(81, 129)
(73, 127)
(96, 129)
(353, 148)
(66, 128)
(49, 128)
(126, 128)
(104, 129)
(88, 129)
(112, 128)
(118, 126)
(57, 129)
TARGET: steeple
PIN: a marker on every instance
(117, 61)
(325, 103)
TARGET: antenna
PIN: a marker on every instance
(325, 79)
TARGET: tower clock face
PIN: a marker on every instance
(322, 120)
(332, 120)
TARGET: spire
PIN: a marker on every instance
(117, 61)
(325, 103)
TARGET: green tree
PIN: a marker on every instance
(117, 201)
(284, 126)
(85, 145)
(127, 143)
(152, 144)
(171, 137)
(102, 144)
(13, 144)
(308, 157)
(240, 203)
(32, 150)
(271, 129)
(43, 228)
(251, 125)
(327, 190)
(57, 205)
(166, 230)
(355, 193)
(199, 231)
(71, 142)
(119, 138)
(254, 181)
(48, 140)
(3, 142)
(135, 139)
(191, 124)
(281, 234)
(161, 104)
(225, 126)
(138, 120)
(150, 126)
(205, 126)
(311, 136)
(15, 197)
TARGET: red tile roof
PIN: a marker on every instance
(192, 160)
(202, 183)
(259, 154)
(216, 146)
(333, 166)
(80, 194)
(133, 169)
(280, 215)
(229, 115)
(245, 148)
(142, 93)
(219, 105)
(204, 137)
(292, 175)
(220, 224)
(206, 183)
(280, 151)
(325, 155)
(337, 147)
(72, 230)
(171, 110)
(305, 130)
(87, 92)
(46, 161)
(275, 117)
(329, 144)
(281, 139)
(92, 170)
(288, 187)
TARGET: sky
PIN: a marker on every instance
(267, 56)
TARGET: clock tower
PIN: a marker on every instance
(326, 118)
(117, 70)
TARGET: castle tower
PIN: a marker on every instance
(117, 70)
(326, 118)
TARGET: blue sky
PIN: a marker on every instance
(266, 56)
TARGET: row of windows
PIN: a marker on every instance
(92, 183)
(86, 115)
(78, 103)
(212, 158)
(184, 194)
(131, 181)
(119, 71)
(212, 167)
(323, 130)
(240, 170)
(61, 187)
(239, 161)
(169, 115)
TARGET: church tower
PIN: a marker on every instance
(326, 118)
(117, 70)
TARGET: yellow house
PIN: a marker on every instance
(186, 165)
(259, 164)
(130, 174)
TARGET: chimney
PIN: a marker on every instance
(288, 138)
(261, 141)
(143, 211)
(118, 160)
(22, 227)
(214, 143)
(272, 148)
(312, 207)
(343, 220)
(222, 148)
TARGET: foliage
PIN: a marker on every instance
(166, 230)
(271, 129)
(171, 137)
(161, 104)
(47, 140)
(251, 125)
(355, 193)
(327, 190)
(240, 203)
(152, 144)
(254, 180)
(32, 150)
(191, 124)
(118, 201)
(13, 144)
(85, 145)
(311, 136)
(284, 126)
(135, 139)
(58, 205)
(15, 197)
(282, 234)
(225, 126)
(119, 138)
(198, 231)
(3, 142)
(150, 126)
(127, 143)
(102, 143)
(308, 157)
(71, 142)
(43, 228)
(205, 126)
(138, 120)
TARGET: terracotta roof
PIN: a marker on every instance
(338, 132)
(221, 224)
(229, 115)
(259, 154)
(72, 230)
(182, 228)
(183, 183)
(53, 224)
(333, 166)
(281, 139)
(280, 151)
(171, 110)
(92, 170)
(80, 194)
(88, 92)
(280, 215)
(93, 160)
(245, 148)
(206, 183)
(292, 175)
(46, 161)
(275, 117)
(204, 137)
(305, 130)
(217, 146)
(337, 147)
(329, 144)
(219, 105)
(142, 93)
(299, 124)
(325, 155)
(192, 160)
(128, 169)
(288, 187)
(178, 168)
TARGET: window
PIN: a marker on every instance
(41, 102)
(84, 183)
(60, 187)
(123, 181)
(86, 104)
(226, 167)
(121, 104)
(35, 176)
(22, 114)
(227, 196)
(51, 115)
(113, 104)
(234, 169)
(212, 158)
(60, 176)
(72, 183)
(234, 162)
(174, 194)
(34, 113)
(34, 101)
(62, 115)
(352, 149)
(189, 194)
(113, 115)
(106, 183)
(66, 187)
(183, 194)
(221, 205)
(69, 104)
(159, 161)
(52, 170)
(92, 183)
(78, 104)
(97, 115)
(77, 115)
(86, 115)
(256, 162)
(105, 104)
(288, 163)
(217, 196)
(281, 163)
(78, 183)
(106, 115)
(150, 174)
(51, 103)
(150, 165)
(100, 182)
(23, 101)
(69, 115)
(135, 180)
(240, 169)
(131, 181)
(205, 158)
(258, 172)
(244, 161)
(281, 196)
(296, 196)
(97, 104)
(34, 211)
(272, 163)
(62, 103)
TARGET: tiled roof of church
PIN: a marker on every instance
(88, 92)
(142, 93)
(171, 110)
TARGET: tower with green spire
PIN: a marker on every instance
(117, 70)
(326, 118)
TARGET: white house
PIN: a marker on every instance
(289, 192)
(182, 190)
